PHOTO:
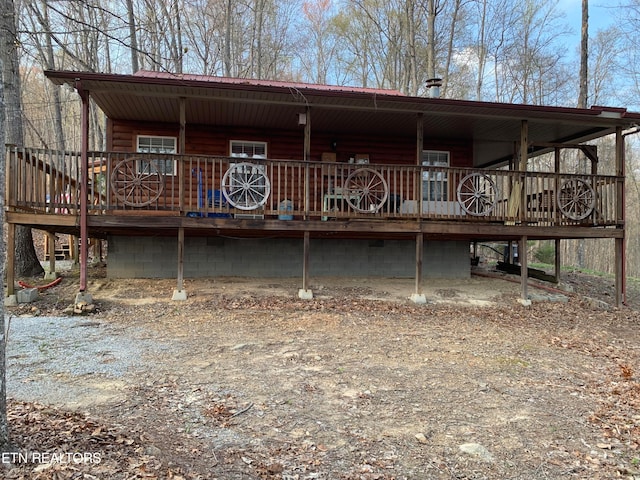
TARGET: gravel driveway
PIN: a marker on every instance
(71, 361)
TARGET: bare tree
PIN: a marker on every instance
(4, 424)
(26, 260)
(39, 21)
(319, 44)
(584, 56)
(133, 37)
(583, 91)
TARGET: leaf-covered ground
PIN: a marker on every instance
(246, 381)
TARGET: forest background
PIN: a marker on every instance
(516, 51)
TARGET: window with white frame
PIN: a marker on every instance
(246, 149)
(159, 145)
(435, 181)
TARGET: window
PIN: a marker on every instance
(435, 181)
(160, 145)
(247, 182)
(240, 148)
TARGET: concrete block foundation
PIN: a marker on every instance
(156, 257)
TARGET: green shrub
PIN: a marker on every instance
(546, 253)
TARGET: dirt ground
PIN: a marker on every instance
(243, 380)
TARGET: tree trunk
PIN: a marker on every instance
(584, 56)
(133, 37)
(227, 40)
(582, 97)
(49, 61)
(27, 263)
(4, 427)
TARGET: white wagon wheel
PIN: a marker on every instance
(367, 190)
(477, 194)
(137, 182)
(246, 186)
(576, 199)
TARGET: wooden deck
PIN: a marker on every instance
(134, 194)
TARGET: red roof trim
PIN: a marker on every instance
(263, 83)
(202, 81)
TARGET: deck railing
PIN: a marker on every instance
(47, 181)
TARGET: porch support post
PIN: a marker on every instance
(306, 154)
(419, 148)
(179, 293)
(524, 272)
(10, 266)
(305, 293)
(621, 277)
(307, 135)
(418, 296)
(524, 152)
(419, 138)
(83, 296)
(554, 212)
(181, 150)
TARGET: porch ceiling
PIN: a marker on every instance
(493, 127)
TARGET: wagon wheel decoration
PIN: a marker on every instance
(576, 199)
(246, 186)
(137, 182)
(477, 194)
(367, 190)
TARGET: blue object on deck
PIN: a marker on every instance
(200, 192)
(285, 206)
(216, 199)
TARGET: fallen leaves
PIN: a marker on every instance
(54, 444)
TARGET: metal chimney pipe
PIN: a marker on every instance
(433, 87)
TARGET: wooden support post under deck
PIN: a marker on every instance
(418, 296)
(305, 262)
(51, 241)
(621, 274)
(419, 259)
(558, 262)
(180, 258)
(305, 292)
(11, 255)
(179, 293)
(524, 272)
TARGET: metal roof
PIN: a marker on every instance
(492, 127)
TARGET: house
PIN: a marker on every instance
(210, 176)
